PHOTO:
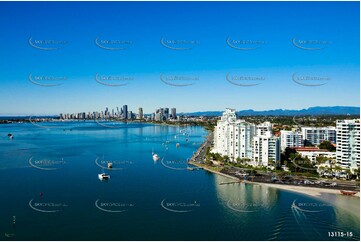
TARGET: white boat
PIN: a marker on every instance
(103, 176)
(155, 156)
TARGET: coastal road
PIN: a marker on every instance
(200, 154)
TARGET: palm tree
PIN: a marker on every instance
(225, 158)
(348, 174)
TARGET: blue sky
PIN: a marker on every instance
(273, 24)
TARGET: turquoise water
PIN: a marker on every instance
(49, 181)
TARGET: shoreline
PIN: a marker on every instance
(310, 191)
(54, 120)
(204, 167)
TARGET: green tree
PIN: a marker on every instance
(327, 146)
(321, 159)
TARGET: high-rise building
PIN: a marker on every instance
(125, 112)
(291, 139)
(166, 113)
(348, 143)
(263, 128)
(174, 113)
(130, 115)
(265, 150)
(316, 135)
(233, 136)
(140, 113)
(158, 117)
(161, 114)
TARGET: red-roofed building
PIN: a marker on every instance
(300, 149)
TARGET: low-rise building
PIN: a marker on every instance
(313, 152)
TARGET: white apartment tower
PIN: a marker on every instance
(317, 135)
(348, 143)
(265, 149)
(233, 137)
(292, 138)
(263, 128)
(140, 113)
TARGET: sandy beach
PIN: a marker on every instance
(311, 191)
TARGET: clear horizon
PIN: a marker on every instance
(148, 113)
(277, 53)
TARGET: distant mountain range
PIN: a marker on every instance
(335, 110)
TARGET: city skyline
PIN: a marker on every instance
(163, 119)
(349, 108)
(160, 114)
(212, 72)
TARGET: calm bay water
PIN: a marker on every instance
(49, 181)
